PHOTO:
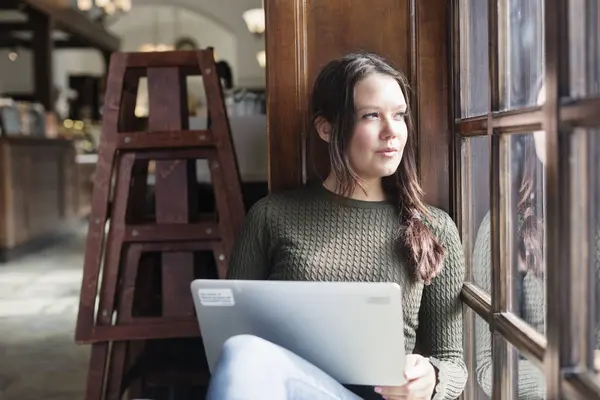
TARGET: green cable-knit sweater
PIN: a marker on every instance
(311, 234)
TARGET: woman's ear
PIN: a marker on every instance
(323, 128)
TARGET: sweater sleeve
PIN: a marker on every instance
(482, 278)
(441, 318)
(531, 383)
(250, 254)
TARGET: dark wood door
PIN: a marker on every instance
(303, 35)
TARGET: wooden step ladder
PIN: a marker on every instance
(120, 232)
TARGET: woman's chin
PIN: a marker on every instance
(379, 170)
(387, 171)
(390, 167)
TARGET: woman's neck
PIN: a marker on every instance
(371, 190)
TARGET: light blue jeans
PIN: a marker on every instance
(251, 368)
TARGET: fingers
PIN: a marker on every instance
(416, 390)
(393, 392)
(419, 389)
(418, 370)
(421, 381)
(404, 397)
(412, 360)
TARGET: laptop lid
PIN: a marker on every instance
(353, 331)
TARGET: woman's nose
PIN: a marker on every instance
(391, 129)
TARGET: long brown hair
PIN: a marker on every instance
(333, 100)
(530, 209)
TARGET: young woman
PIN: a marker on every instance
(365, 222)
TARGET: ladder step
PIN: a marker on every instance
(164, 140)
(172, 232)
(145, 329)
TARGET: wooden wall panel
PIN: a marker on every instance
(303, 35)
(286, 91)
(430, 82)
(338, 27)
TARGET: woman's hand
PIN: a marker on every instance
(421, 380)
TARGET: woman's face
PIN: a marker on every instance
(380, 130)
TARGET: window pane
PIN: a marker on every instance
(527, 157)
(521, 47)
(474, 59)
(483, 361)
(526, 381)
(584, 58)
(586, 150)
(476, 200)
(531, 382)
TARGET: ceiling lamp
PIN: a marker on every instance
(151, 47)
(255, 20)
(147, 48)
(156, 44)
(123, 5)
(109, 7)
(261, 57)
(85, 5)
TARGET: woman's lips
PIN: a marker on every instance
(388, 152)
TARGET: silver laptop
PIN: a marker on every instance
(353, 331)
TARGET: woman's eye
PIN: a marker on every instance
(374, 115)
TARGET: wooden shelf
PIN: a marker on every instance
(42, 26)
(81, 31)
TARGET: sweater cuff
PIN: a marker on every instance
(442, 379)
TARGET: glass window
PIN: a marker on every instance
(584, 66)
(522, 165)
(530, 379)
(584, 57)
(521, 45)
(527, 157)
(474, 59)
(483, 360)
(476, 192)
(585, 225)
(593, 146)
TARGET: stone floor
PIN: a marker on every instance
(39, 296)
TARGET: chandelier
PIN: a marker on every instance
(255, 20)
(152, 47)
(261, 57)
(156, 44)
(110, 7)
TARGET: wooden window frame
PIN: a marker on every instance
(563, 353)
